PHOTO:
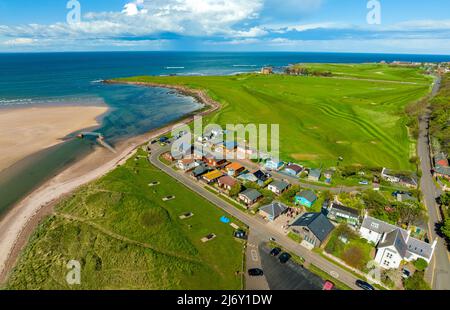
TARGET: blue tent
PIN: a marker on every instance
(225, 219)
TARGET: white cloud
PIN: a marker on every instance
(19, 41)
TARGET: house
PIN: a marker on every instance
(388, 176)
(272, 211)
(212, 176)
(248, 177)
(199, 171)
(244, 150)
(250, 196)
(314, 175)
(229, 146)
(408, 181)
(305, 198)
(187, 164)
(261, 176)
(293, 169)
(227, 182)
(314, 228)
(394, 244)
(442, 172)
(340, 213)
(441, 160)
(234, 169)
(267, 70)
(328, 175)
(278, 187)
(214, 161)
(405, 197)
(272, 164)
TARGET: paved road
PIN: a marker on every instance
(439, 271)
(256, 224)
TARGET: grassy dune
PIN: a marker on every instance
(126, 237)
(322, 118)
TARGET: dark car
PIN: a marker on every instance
(364, 285)
(284, 258)
(255, 272)
(275, 251)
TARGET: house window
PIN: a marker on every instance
(375, 225)
(386, 263)
(389, 255)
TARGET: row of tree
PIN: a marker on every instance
(304, 71)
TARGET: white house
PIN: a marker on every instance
(394, 244)
(385, 174)
(278, 187)
(187, 164)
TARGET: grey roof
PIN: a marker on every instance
(295, 167)
(315, 173)
(419, 247)
(317, 223)
(280, 185)
(395, 238)
(344, 209)
(274, 209)
(251, 194)
(376, 225)
(199, 170)
(308, 195)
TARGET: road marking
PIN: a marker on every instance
(254, 255)
(334, 274)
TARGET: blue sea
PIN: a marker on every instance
(74, 78)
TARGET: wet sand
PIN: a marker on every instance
(25, 131)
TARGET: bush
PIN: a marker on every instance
(416, 282)
(420, 264)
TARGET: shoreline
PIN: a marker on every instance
(42, 127)
(19, 223)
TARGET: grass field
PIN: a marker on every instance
(322, 118)
(126, 237)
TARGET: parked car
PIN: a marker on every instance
(328, 286)
(363, 182)
(364, 285)
(284, 257)
(255, 272)
(275, 251)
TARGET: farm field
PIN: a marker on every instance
(126, 237)
(320, 118)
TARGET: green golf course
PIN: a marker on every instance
(358, 113)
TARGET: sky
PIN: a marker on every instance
(362, 26)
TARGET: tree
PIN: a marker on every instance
(420, 264)
(445, 229)
(445, 199)
(235, 189)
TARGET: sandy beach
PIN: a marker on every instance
(24, 131)
(20, 222)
